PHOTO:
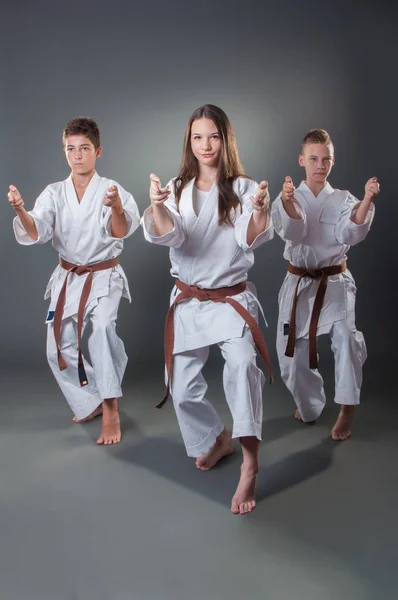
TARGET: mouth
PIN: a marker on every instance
(207, 155)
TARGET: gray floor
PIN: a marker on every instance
(138, 521)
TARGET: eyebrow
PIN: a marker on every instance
(315, 156)
(197, 133)
(81, 145)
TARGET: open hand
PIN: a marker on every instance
(261, 200)
(157, 194)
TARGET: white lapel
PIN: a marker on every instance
(196, 227)
(81, 208)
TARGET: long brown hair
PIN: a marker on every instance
(229, 166)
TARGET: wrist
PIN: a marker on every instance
(118, 209)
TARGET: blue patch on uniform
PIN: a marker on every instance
(50, 316)
(285, 328)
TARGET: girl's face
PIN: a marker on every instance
(205, 142)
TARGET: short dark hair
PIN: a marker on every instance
(83, 126)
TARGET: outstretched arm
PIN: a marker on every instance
(118, 223)
(372, 189)
(158, 196)
(260, 216)
(289, 202)
(28, 223)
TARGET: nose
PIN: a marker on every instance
(206, 144)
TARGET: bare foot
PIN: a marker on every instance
(222, 447)
(96, 413)
(300, 418)
(342, 428)
(110, 433)
(244, 500)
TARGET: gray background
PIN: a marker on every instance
(137, 521)
(140, 69)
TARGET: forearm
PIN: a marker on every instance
(119, 225)
(28, 223)
(292, 209)
(360, 214)
(162, 219)
(258, 223)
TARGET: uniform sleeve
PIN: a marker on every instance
(43, 214)
(246, 188)
(348, 232)
(174, 238)
(293, 230)
(131, 213)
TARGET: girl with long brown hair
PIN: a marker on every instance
(212, 217)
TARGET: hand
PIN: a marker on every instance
(14, 198)
(112, 198)
(262, 199)
(157, 194)
(372, 189)
(288, 190)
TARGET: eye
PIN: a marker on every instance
(216, 136)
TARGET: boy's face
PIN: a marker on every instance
(81, 154)
(317, 160)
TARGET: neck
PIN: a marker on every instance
(81, 180)
(206, 173)
(315, 187)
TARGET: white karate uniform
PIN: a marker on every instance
(321, 238)
(208, 255)
(81, 234)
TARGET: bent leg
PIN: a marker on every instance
(305, 384)
(199, 423)
(82, 400)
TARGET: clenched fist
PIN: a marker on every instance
(288, 190)
(372, 189)
(112, 198)
(14, 198)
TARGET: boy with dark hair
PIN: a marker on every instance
(319, 224)
(86, 217)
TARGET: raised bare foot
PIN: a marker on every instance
(96, 413)
(244, 499)
(110, 433)
(222, 447)
(342, 428)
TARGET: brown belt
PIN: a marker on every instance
(59, 309)
(323, 275)
(215, 295)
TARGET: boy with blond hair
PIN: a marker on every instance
(319, 224)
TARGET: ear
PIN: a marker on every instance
(301, 160)
(99, 152)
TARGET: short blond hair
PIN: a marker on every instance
(317, 136)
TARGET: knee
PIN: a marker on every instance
(102, 329)
(241, 362)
